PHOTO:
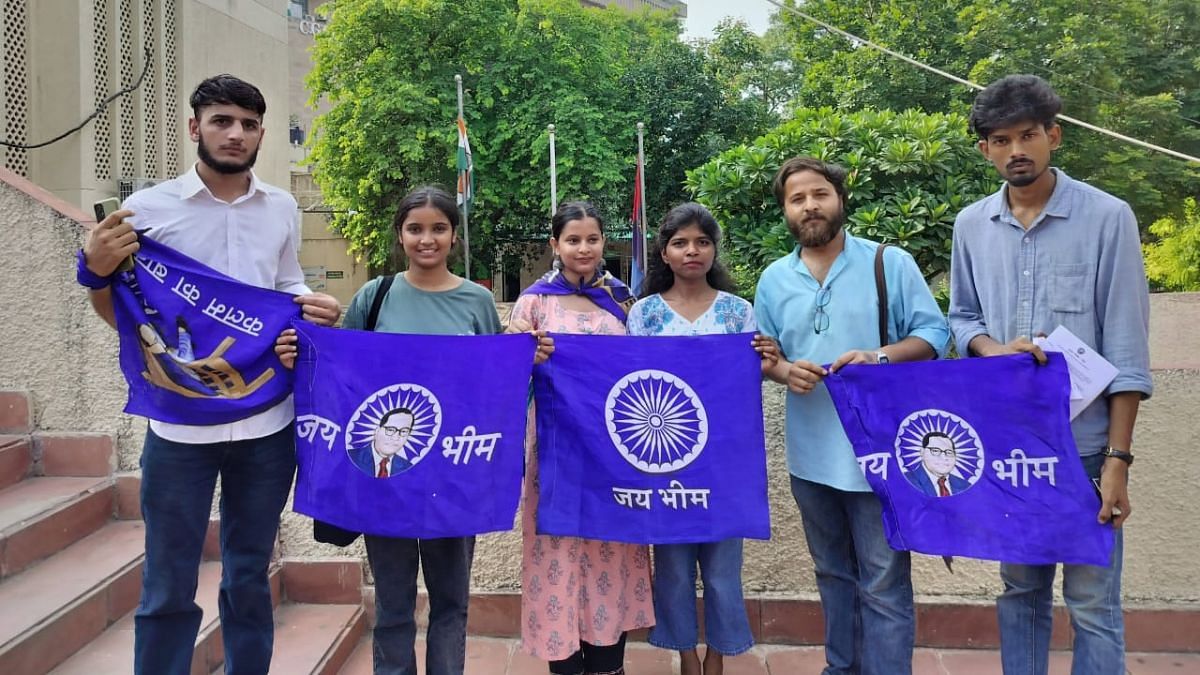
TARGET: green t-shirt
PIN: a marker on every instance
(465, 310)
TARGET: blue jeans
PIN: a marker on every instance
(447, 567)
(178, 480)
(726, 628)
(1093, 596)
(865, 586)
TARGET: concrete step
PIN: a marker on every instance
(315, 639)
(67, 600)
(16, 416)
(16, 459)
(41, 516)
(485, 656)
(74, 454)
(112, 652)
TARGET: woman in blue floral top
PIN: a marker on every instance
(686, 292)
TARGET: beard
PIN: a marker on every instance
(815, 232)
(224, 167)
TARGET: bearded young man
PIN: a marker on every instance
(1047, 251)
(820, 302)
(222, 215)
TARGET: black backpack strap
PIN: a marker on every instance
(377, 302)
(881, 291)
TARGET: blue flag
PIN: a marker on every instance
(974, 457)
(410, 435)
(197, 346)
(651, 440)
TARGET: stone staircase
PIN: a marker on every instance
(71, 555)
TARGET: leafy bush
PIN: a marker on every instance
(909, 174)
(1173, 262)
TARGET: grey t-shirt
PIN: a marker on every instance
(465, 310)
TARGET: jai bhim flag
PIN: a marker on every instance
(410, 435)
(651, 440)
(197, 346)
(974, 457)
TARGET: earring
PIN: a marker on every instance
(556, 265)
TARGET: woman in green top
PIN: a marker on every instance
(428, 299)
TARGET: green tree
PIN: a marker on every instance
(386, 68)
(909, 174)
(1129, 66)
(690, 117)
(750, 67)
(1173, 261)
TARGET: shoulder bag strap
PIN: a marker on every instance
(377, 302)
(881, 290)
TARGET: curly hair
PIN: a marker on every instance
(659, 276)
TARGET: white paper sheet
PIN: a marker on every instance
(1090, 372)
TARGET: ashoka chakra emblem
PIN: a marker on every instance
(656, 421)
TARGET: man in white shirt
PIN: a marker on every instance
(222, 215)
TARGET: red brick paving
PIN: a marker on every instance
(495, 656)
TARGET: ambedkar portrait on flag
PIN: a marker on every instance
(643, 440)
(974, 457)
(407, 435)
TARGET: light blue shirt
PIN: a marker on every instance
(786, 303)
(727, 314)
(1079, 265)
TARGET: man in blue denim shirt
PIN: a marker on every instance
(1048, 251)
(820, 302)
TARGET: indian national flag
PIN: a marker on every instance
(466, 168)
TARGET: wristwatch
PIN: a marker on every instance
(881, 357)
(1124, 456)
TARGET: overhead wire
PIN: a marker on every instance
(854, 39)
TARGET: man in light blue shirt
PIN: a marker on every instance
(1048, 251)
(820, 302)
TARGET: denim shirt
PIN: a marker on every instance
(1079, 265)
(785, 305)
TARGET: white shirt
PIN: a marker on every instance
(252, 239)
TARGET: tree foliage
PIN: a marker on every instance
(387, 67)
(1128, 66)
(1173, 261)
(909, 174)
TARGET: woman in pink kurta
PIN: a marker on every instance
(579, 596)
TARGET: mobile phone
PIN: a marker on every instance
(103, 209)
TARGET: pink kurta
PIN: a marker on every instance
(574, 589)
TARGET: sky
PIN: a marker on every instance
(703, 15)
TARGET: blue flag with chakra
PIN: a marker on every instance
(197, 346)
(651, 440)
(410, 435)
(975, 458)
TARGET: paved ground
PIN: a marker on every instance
(490, 656)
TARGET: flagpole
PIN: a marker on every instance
(642, 187)
(465, 202)
(553, 174)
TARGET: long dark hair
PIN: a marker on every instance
(659, 276)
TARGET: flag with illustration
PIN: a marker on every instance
(407, 435)
(651, 440)
(197, 346)
(975, 458)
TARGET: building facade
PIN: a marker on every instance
(61, 59)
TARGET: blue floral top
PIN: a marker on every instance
(728, 314)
